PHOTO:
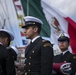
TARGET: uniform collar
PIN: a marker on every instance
(35, 38)
(1, 43)
(65, 52)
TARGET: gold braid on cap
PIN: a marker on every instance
(23, 22)
(62, 35)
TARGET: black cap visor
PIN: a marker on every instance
(64, 39)
(26, 26)
(30, 23)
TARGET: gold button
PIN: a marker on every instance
(64, 61)
(25, 73)
(24, 64)
(29, 63)
(30, 57)
(32, 51)
(29, 70)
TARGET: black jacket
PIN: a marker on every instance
(3, 57)
(67, 57)
(39, 58)
(73, 65)
(6, 62)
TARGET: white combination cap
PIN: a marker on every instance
(64, 37)
(9, 33)
(30, 20)
(64, 34)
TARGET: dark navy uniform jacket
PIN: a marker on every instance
(39, 58)
(6, 62)
(73, 64)
(67, 57)
(3, 56)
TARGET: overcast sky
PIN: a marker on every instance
(67, 7)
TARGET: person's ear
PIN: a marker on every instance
(35, 29)
(68, 43)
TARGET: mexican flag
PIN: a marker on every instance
(54, 22)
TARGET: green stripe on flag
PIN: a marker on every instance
(35, 10)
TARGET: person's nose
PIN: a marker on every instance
(24, 31)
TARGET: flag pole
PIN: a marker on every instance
(27, 7)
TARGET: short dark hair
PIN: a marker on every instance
(39, 28)
(4, 35)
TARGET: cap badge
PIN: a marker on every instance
(23, 22)
(62, 35)
(33, 22)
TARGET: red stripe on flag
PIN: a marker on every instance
(19, 6)
(72, 33)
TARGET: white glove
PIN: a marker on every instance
(65, 68)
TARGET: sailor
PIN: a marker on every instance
(39, 53)
(7, 66)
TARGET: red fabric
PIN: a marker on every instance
(56, 66)
(19, 6)
(72, 34)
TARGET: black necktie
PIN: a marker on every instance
(61, 55)
(31, 42)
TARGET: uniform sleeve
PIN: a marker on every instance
(10, 66)
(73, 65)
(46, 58)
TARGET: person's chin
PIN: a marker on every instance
(62, 48)
(27, 37)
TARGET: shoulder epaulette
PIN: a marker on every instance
(44, 40)
(47, 44)
(74, 57)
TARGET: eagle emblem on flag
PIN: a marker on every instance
(56, 26)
